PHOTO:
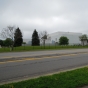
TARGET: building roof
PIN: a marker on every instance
(59, 32)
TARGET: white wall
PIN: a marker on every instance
(73, 37)
(28, 41)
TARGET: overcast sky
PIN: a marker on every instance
(49, 15)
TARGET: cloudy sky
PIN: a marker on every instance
(49, 15)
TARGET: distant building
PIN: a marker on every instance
(72, 36)
(28, 41)
(54, 38)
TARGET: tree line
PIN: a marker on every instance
(14, 38)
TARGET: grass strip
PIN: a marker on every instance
(35, 48)
(70, 79)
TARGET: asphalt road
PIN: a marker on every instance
(33, 67)
(39, 53)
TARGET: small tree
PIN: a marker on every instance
(8, 42)
(18, 40)
(83, 38)
(63, 40)
(35, 39)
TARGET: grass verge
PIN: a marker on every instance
(70, 79)
(34, 48)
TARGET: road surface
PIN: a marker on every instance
(39, 53)
(33, 67)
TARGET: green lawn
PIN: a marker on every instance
(33, 48)
(70, 79)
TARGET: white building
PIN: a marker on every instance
(27, 41)
(54, 38)
(72, 36)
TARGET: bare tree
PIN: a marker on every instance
(9, 33)
(43, 37)
(83, 39)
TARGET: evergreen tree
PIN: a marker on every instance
(18, 40)
(35, 39)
